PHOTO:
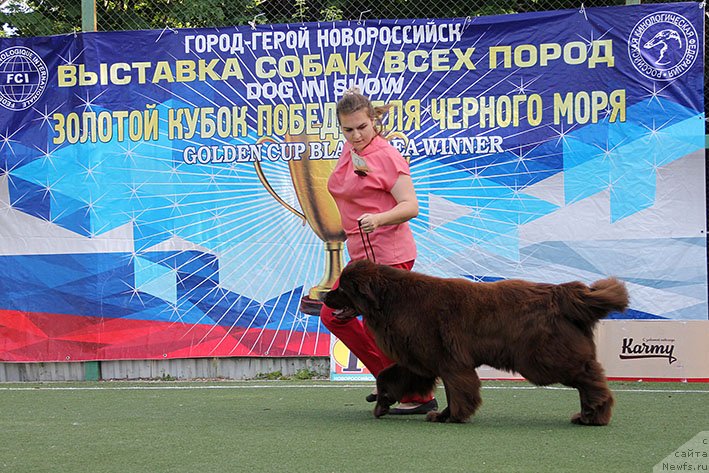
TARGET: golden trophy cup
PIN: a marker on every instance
(318, 210)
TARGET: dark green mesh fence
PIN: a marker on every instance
(46, 17)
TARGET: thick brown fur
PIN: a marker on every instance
(445, 328)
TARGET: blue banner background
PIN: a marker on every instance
(140, 229)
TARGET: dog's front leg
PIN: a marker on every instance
(463, 394)
(389, 389)
(381, 409)
(442, 416)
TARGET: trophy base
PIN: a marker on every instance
(310, 306)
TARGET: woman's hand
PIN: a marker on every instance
(369, 222)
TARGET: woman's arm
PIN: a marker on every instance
(406, 208)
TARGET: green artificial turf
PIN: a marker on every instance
(316, 426)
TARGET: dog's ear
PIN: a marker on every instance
(367, 296)
(358, 281)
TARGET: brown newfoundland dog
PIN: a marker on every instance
(445, 328)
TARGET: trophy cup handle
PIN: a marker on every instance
(318, 209)
(397, 134)
(269, 188)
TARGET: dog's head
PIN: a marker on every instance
(357, 289)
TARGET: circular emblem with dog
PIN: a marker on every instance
(663, 45)
(23, 78)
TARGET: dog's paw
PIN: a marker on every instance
(576, 419)
(435, 416)
(380, 411)
(580, 419)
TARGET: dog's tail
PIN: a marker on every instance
(586, 305)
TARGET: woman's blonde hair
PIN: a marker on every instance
(353, 101)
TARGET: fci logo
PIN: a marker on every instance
(18, 78)
(23, 78)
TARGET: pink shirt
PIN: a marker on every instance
(356, 195)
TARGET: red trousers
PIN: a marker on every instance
(353, 333)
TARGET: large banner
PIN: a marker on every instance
(162, 193)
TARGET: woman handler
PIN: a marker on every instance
(373, 190)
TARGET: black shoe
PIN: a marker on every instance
(424, 408)
(371, 397)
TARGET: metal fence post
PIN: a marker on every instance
(88, 15)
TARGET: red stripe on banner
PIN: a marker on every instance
(36, 336)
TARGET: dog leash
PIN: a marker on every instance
(371, 249)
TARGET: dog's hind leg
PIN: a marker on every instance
(596, 398)
(463, 394)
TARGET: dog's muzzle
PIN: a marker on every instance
(344, 314)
